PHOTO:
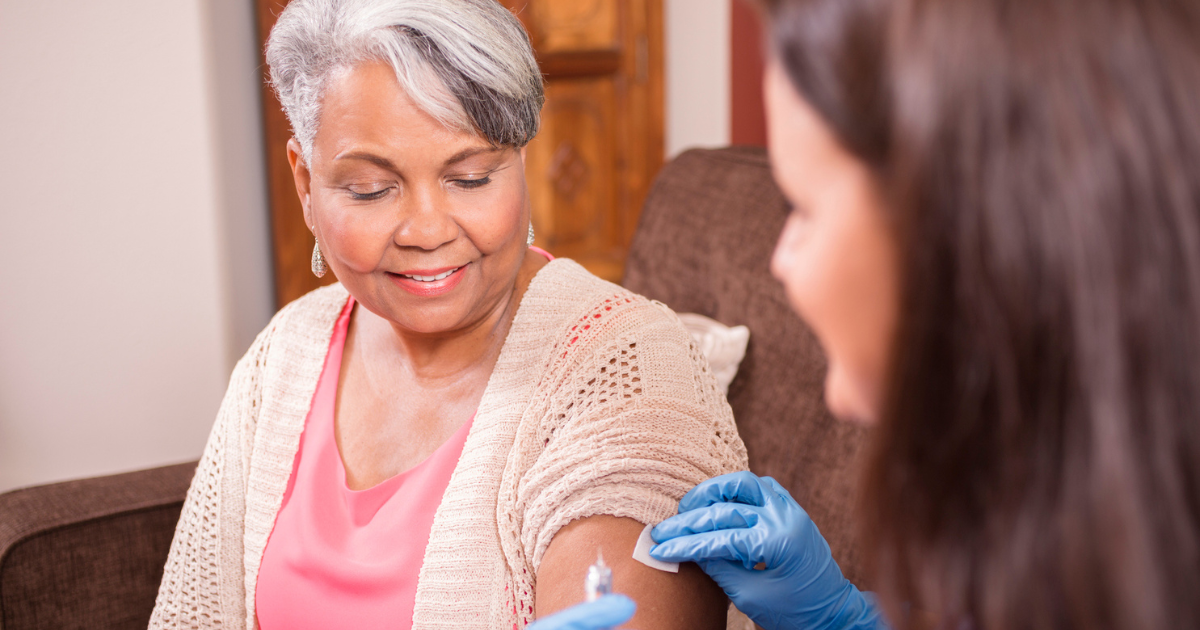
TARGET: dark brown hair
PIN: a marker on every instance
(1038, 460)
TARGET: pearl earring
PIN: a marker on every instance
(529, 239)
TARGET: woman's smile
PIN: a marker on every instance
(429, 282)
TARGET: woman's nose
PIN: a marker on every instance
(788, 246)
(425, 221)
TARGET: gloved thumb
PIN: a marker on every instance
(606, 612)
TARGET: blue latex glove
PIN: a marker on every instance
(608, 611)
(731, 523)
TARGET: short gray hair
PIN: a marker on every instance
(466, 63)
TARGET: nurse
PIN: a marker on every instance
(996, 238)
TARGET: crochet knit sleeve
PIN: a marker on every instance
(630, 420)
(197, 589)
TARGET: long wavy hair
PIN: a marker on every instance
(1037, 464)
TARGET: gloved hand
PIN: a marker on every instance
(608, 611)
(731, 523)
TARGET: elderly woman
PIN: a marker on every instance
(449, 436)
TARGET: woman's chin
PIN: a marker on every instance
(847, 403)
(432, 322)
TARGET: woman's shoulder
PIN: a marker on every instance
(588, 320)
(624, 418)
(317, 306)
(575, 294)
(306, 322)
(311, 315)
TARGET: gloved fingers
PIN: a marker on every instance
(783, 498)
(740, 545)
(778, 488)
(606, 612)
(708, 519)
(725, 572)
(737, 487)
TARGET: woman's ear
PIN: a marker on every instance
(303, 178)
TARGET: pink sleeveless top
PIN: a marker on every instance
(339, 558)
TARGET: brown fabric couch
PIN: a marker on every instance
(89, 553)
(704, 246)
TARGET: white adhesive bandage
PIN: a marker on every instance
(641, 553)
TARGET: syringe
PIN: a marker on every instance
(599, 579)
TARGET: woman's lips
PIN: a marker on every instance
(429, 282)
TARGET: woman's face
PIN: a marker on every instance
(837, 257)
(424, 226)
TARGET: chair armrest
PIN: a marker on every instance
(88, 553)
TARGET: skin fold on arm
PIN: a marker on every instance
(687, 600)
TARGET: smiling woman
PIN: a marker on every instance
(424, 224)
(446, 437)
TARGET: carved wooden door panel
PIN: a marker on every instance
(601, 141)
(589, 169)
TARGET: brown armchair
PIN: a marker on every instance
(704, 246)
(89, 553)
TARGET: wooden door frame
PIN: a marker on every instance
(291, 240)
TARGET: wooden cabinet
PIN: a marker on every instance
(589, 169)
(601, 141)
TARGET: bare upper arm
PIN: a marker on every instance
(685, 600)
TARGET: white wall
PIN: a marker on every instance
(133, 223)
(697, 74)
(234, 76)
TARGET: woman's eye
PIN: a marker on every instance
(472, 183)
(367, 196)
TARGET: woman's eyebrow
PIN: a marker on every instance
(368, 157)
(386, 163)
(467, 153)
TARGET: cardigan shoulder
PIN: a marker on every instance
(623, 419)
(589, 309)
(598, 330)
(293, 341)
(308, 311)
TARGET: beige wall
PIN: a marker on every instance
(132, 229)
(133, 224)
(697, 74)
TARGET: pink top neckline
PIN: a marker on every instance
(338, 557)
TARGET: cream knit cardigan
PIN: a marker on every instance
(599, 404)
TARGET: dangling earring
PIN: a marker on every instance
(318, 261)
(529, 240)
